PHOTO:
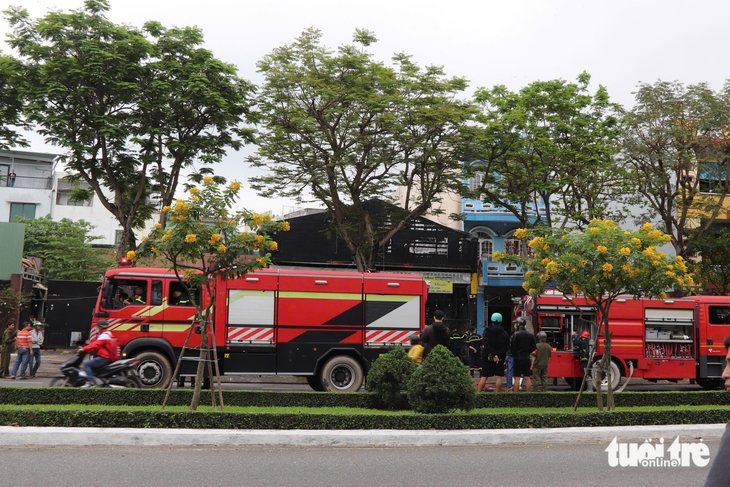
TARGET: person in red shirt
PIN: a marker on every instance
(23, 339)
(101, 347)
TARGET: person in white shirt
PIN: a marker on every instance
(36, 334)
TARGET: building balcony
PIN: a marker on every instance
(28, 182)
(501, 274)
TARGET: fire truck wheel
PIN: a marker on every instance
(342, 374)
(315, 382)
(710, 384)
(154, 370)
(615, 375)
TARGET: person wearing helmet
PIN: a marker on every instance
(494, 351)
(104, 347)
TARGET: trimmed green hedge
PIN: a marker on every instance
(181, 397)
(217, 420)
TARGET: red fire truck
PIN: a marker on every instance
(326, 326)
(660, 339)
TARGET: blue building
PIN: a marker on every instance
(500, 285)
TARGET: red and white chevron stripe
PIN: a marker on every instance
(388, 336)
(249, 334)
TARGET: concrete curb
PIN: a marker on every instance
(32, 436)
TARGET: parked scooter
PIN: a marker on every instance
(119, 374)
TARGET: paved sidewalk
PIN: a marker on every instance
(29, 436)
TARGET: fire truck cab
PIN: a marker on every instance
(325, 326)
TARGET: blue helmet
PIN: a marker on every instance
(496, 318)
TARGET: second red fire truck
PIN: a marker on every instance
(659, 339)
(326, 326)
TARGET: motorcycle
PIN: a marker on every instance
(119, 374)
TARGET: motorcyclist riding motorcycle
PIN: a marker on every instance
(105, 348)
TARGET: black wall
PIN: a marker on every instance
(69, 308)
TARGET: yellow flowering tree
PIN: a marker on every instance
(202, 241)
(600, 264)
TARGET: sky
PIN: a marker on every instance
(509, 42)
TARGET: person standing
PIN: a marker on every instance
(510, 360)
(523, 344)
(456, 344)
(11, 178)
(496, 342)
(474, 345)
(717, 476)
(540, 364)
(22, 360)
(37, 336)
(6, 349)
(434, 334)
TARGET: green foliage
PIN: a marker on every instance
(674, 134)
(66, 247)
(11, 103)
(602, 262)
(341, 128)
(548, 149)
(131, 108)
(10, 302)
(441, 384)
(389, 375)
(712, 269)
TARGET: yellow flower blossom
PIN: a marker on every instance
(207, 180)
(601, 249)
(655, 234)
(536, 243)
(646, 226)
(669, 274)
(552, 268)
(525, 285)
(194, 190)
(607, 267)
(595, 229)
(131, 255)
(546, 261)
(582, 263)
(221, 249)
(521, 233)
(235, 186)
(284, 226)
(165, 237)
(165, 209)
(624, 251)
(158, 225)
(544, 277)
(273, 246)
(190, 238)
(216, 237)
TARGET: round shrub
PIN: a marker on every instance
(442, 384)
(388, 377)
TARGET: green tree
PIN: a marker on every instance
(65, 247)
(547, 153)
(131, 107)
(600, 264)
(341, 129)
(11, 103)
(202, 243)
(676, 148)
(712, 268)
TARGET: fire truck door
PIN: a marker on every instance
(249, 330)
(714, 327)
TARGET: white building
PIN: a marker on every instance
(26, 184)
